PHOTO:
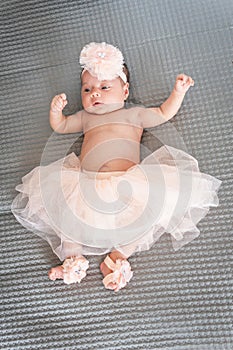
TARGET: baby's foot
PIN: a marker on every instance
(116, 271)
(113, 255)
(56, 273)
(71, 271)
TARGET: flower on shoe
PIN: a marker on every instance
(74, 269)
(102, 60)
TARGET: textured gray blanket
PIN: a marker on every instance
(176, 300)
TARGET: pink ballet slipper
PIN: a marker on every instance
(120, 276)
(74, 269)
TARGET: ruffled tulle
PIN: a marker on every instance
(85, 213)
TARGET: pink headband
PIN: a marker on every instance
(103, 61)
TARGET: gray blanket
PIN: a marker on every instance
(176, 300)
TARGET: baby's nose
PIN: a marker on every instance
(95, 93)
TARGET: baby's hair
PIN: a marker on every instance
(125, 70)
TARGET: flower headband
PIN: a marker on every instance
(103, 61)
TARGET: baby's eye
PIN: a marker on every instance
(105, 87)
(86, 90)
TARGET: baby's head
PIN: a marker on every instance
(105, 78)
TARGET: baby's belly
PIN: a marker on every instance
(111, 155)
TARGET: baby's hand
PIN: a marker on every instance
(58, 103)
(183, 83)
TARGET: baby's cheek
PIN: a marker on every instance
(84, 102)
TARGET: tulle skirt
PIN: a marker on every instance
(91, 213)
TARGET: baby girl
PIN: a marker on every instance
(94, 215)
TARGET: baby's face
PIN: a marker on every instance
(100, 97)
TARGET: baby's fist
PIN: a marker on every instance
(58, 103)
(183, 83)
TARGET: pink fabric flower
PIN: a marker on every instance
(103, 61)
(74, 269)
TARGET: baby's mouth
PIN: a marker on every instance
(97, 103)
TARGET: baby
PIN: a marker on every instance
(111, 152)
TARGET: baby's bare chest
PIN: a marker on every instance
(120, 121)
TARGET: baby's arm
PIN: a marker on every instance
(171, 106)
(61, 123)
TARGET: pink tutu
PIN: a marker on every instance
(87, 213)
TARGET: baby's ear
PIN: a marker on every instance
(126, 90)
